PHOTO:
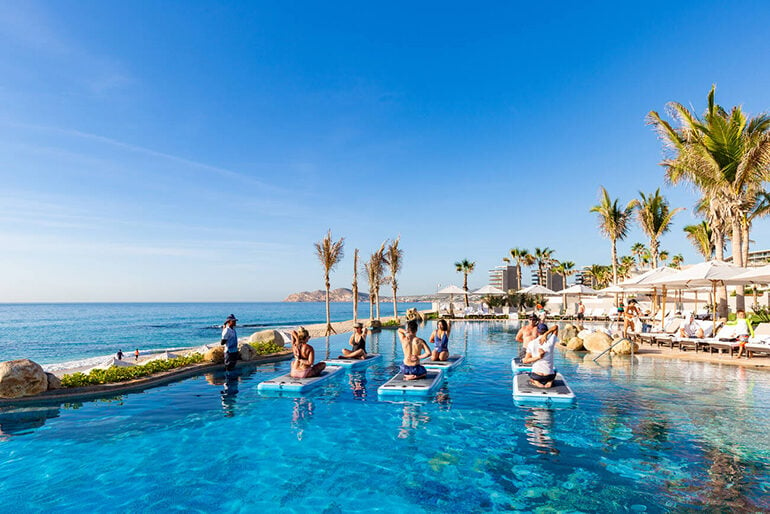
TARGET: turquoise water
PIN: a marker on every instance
(652, 436)
(51, 333)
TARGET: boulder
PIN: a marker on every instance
(597, 342)
(21, 378)
(247, 352)
(413, 313)
(568, 332)
(584, 333)
(375, 324)
(53, 381)
(624, 347)
(575, 344)
(267, 336)
(215, 355)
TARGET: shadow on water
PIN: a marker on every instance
(24, 420)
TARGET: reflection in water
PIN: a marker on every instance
(358, 384)
(411, 418)
(20, 421)
(539, 424)
(727, 483)
(229, 392)
(443, 399)
(301, 414)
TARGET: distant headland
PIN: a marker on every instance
(337, 295)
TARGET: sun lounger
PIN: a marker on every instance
(668, 333)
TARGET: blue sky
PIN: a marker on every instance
(193, 151)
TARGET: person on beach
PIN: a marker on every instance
(304, 356)
(440, 338)
(136, 355)
(741, 332)
(540, 355)
(631, 317)
(120, 354)
(529, 331)
(691, 329)
(357, 342)
(230, 341)
(414, 350)
(581, 313)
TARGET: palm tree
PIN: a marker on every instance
(521, 257)
(724, 155)
(600, 275)
(637, 250)
(565, 269)
(663, 256)
(613, 223)
(355, 285)
(701, 237)
(543, 257)
(760, 209)
(330, 253)
(394, 256)
(655, 216)
(627, 262)
(371, 277)
(676, 261)
(378, 261)
(465, 267)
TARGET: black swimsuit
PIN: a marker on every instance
(360, 344)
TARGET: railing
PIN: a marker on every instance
(613, 345)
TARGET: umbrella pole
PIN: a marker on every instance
(714, 314)
(663, 310)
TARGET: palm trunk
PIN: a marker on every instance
(654, 251)
(371, 305)
(355, 286)
(721, 292)
(329, 329)
(395, 301)
(518, 276)
(465, 287)
(737, 247)
(614, 263)
(745, 242)
(377, 301)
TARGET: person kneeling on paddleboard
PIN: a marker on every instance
(540, 355)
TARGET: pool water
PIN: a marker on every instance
(643, 436)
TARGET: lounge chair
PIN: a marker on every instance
(670, 327)
(759, 343)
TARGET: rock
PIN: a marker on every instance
(568, 332)
(584, 333)
(597, 342)
(53, 381)
(413, 313)
(624, 347)
(21, 378)
(575, 344)
(267, 336)
(215, 355)
(375, 324)
(248, 353)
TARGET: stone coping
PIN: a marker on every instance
(55, 396)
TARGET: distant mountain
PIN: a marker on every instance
(337, 295)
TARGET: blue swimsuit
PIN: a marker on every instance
(441, 342)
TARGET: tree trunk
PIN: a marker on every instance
(329, 329)
(377, 301)
(518, 276)
(614, 263)
(355, 286)
(395, 301)
(465, 287)
(719, 253)
(654, 251)
(737, 247)
(745, 242)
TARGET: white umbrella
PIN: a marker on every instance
(611, 290)
(642, 283)
(489, 290)
(577, 289)
(759, 275)
(537, 289)
(452, 289)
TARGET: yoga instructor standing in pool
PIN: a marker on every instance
(230, 340)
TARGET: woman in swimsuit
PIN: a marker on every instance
(414, 350)
(630, 316)
(302, 366)
(440, 337)
(358, 342)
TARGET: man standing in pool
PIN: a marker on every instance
(540, 355)
(230, 341)
(414, 350)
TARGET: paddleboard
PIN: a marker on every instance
(354, 363)
(452, 362)
(420, 387)
(558, 392)
(298, 385)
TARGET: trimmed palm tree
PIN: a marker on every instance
(371, 278)
(329, 253)
(565, 269)
(637, 250)
(378, 261)
(613, 224)
(521, 257)
(355, 285)
(726, 156)
(394, 256)
(655, 216)
(701, 237)
(465, 267)
(543, 257)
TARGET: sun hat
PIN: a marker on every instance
(302, 333)
(542, 328)
(231, 317)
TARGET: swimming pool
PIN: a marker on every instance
(653, 436)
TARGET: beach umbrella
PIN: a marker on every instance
(759, 275)
(537, 289)
(491, 290)
(641, 283)
(450, 290)
(607, 291)
(577, 289)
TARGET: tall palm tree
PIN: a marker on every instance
(724, 155)
(371, 277)
(377, 261)
(637, 250)
(394, 256)
(655, 216)
(329, 253)
(465, 267)
(613, 224)
(355, 285)
(701, 237)
(600, 275)
(521, 257)
(543, 257)
(565, 269)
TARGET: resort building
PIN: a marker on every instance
(756, 258)
(552, 281)
(504, 277)
(584, 277)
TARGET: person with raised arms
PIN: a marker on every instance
(528, 331)
(304, 355)
(440, 338)
(540, 355)
(414, 350)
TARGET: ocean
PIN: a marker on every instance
(79, 334)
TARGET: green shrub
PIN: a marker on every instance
(266, 348)
(116, 374)
(391, 323)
